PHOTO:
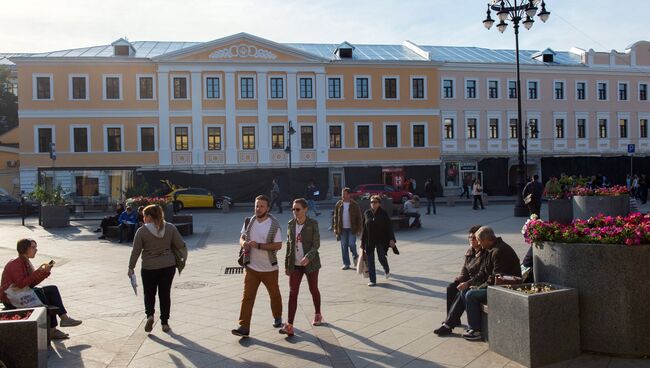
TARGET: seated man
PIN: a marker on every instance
(128, 221)
(110, 220)
(501, 260)
(411, 209)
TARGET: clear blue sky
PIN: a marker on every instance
(40, 25)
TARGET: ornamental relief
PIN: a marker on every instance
(243, 51)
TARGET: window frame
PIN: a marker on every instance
(475, 89)
(341, 90)
(623, 128)
(189, 137)
(137, 87)
(445, 135)
(556, 119)
(510, 96)
(424, 87)
(488, 91)
(172, 90)
(285, 136)
(35, 77)
(563, 90)
(425, 134)
(120, 89)
(71, 87)
(206, 139)
(647, 127)
(241, 136)
(205, 86)
(105, 128)
(270, 79)
(585, 118)
(253, 77)
(313, 135)
(477, 135)
(43, 126)
(599, 120)
(452, 88)
(383, 87)
(356, 135)
(498, 127)
(585, 90)
(537, 90)
(299, 81)
(155, 136)
(356, 96)
(639, 84)
(342, 137)
(537, 130)
(398, 132)
(598, 83)
(627, 91)
(72, 138)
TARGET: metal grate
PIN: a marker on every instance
(233, 270)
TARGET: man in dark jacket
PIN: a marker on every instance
(501, 260)
(430, 192)
(535, 189)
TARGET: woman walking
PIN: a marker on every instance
(303, 241)
(477, 192)
(377, 235)
(154, 241)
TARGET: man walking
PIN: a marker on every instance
(260, 240)
(347, 224)
(275, 196)
(430, 192)
(467, 182)
(311, 195)
(534, 189)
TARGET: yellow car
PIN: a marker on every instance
(196, 197)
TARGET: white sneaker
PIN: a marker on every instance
(388, 276)
(371, 284)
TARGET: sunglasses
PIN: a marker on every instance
(296, 209)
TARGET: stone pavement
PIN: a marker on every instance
(389, 325)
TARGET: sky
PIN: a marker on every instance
(50, 25)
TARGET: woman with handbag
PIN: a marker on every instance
(158, 242)
(477, 192)
(20, 273)
(377, 235)
(303, 241)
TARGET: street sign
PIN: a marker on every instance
(630, 148)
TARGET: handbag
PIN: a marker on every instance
(181, 258)
(23, 297)
(362, 265)
(528, 199)
(242, 255)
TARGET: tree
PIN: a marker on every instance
(8, 102)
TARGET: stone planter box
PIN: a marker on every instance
(612, 286)
(168, 211)
(55, 216)
(560, 210)
(585, 207)
(24, 342)
(534, 329)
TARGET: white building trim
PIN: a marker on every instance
(88, 136)
(35, 86)
(71, 87)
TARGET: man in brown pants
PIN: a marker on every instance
(260, 240)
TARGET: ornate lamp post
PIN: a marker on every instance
(287, 150)
(517, 11)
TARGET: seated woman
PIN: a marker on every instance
(20, 272)
(110, 220)
(411, 209)
(455, 303)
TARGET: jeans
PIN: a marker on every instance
(381, 254)
(313, 206)
(478, 198)
(252, 281)
(348, 241)
(431, 202)
(49, 295)
(473, 300)
(159, 280)
(294, 287)
(455, 305)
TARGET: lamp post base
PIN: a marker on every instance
(521, 211)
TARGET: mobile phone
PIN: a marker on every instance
(51, 263)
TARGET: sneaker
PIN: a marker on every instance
(318, 319)
(277, 322)
(371, 284)
(241, 331)
(57, 334)
(69, 322)
(345, 267)
(387, 275)
(443, 330)
(165, 327)
(149, 325)
(472, 335)
(287, 329)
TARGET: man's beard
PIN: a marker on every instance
(262, 215)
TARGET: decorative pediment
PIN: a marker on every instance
(243, 51)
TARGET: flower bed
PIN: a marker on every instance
(17, 316)
(145, 201)
(615, 190)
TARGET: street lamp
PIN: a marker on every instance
(287, 150)
(517, 11)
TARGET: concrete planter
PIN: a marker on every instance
(585, 207)
(611, 283)
(55, 216)
(534, 329)
(560, 210)
(25, 342)
(168, 211)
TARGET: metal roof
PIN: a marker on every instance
(454, 54)
(361, 52)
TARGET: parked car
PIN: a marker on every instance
(197, 197)
(398, 196)
(11, 205)
(99, 202)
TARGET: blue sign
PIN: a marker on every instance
(630, 148)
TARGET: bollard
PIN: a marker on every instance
(225, 206)
(451, 201)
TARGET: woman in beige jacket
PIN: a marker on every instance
(154, 241)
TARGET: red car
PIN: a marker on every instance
(398, 196)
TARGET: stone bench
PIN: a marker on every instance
(399, 222)
(52, 312)
(484, 321)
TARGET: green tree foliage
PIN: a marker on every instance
(8, 102)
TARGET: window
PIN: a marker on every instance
(602, 128)
(334, 87)
(180, 88)
(247, 86)
(182, 138)
(277, 88)
(114, 139)
(532, 90)
(643, 92)
(306, 88)
(214, 139)
(306, 137)
(363, 136)
(277, 137)
(494, 128)
(145, 85)
(559, 90)
(533, 132)
(79, 88)
(212, 87)
(622, 91)
(418, 88)
(470, 88)
(418, 135)
(390, 88)
(248, 137)
(43, 88)
(582, 128)
(448, 88)
(80, 139)
(622, 126)
(581, 90)
(602, 91)
(391, 136)
(512, 89)
(449, 128)
(471, 128)
(559, 128)
(493, 89)
(335, 136)
(147, 139)
(514, 129)
(643, 128)
(112, 88)
(361, 88)
(44, 139)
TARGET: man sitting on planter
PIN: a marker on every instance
(501, 260)
(128, 221)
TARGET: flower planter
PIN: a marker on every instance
(585, 207)
(55, 216)
(168, 210)
(612, 287)
(24, 342)
(534, 329)
(560, 210)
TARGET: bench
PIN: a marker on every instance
(399, 222)
(52, 312)
(184, 224)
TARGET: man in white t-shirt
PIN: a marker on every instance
(348, 224)
(260, 239)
